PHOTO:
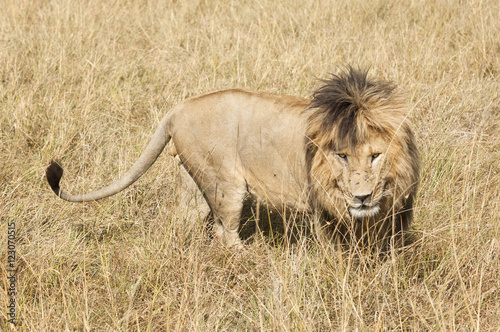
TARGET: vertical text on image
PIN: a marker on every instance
(11, 271)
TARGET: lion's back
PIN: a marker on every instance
(257, 137)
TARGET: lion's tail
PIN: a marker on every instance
(160, 138)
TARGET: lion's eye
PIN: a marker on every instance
(342, 155)
(375, 155)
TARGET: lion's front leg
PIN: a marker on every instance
(328, 231)
(318, 224)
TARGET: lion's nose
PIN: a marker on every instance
(363, 198)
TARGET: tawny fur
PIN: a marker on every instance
(348, 112)
(348, 156)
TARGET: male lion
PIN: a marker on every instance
(348, 156)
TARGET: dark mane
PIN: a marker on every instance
(345, 115)
(343, 98)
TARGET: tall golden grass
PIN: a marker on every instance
(86, 82)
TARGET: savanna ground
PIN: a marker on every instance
(87, 81)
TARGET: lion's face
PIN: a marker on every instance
(362, 176)
(361, 153)
(355, 181)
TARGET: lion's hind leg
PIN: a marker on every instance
(190, 198)
(226, 202)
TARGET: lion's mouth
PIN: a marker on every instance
(364, 211)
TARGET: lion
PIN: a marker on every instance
(347, 157)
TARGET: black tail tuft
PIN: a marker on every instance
(54, 174)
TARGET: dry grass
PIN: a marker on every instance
(86, 81)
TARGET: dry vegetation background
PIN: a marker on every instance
(87, 81)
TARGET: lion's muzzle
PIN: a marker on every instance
(364, 204)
